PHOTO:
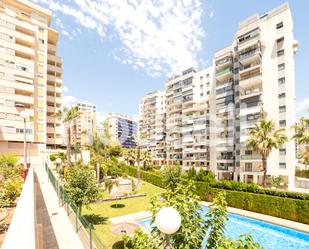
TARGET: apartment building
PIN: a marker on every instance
(152, 125)
(207, 125)
(123, 129)
(84, 126)
(30, 78)
(188, 118)
(253, 77)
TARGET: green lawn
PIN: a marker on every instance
(99, 213)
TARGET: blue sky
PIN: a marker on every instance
(115, 52)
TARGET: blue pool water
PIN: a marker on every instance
(269, 235)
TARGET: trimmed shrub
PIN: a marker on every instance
(283, 204)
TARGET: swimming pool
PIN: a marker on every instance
(269, 235)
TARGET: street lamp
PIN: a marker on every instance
(168, 221)
(24, 114)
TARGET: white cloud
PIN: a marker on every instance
(65, 89)
(160, 36)
(302, 107)
(211, 14)
(68, 100)
(110, 104)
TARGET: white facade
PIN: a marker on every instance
(152, 124)
(209, 112)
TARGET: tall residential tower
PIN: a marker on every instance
(210, 112)
(30, 77)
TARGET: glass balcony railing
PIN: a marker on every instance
(251, 157)
(249, 54)
(224, 71)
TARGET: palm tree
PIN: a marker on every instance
(302, 131)
(68, 115)
(146, 157)
(263, 138)
(304, 154)
(129, 155)
(97, 150)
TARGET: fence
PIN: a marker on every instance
(82, 226)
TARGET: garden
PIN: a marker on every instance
(10, 189)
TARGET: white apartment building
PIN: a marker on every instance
(152, 125)
(187, 117)
(207, 125)
(123, 129)
(84, 126)
(259, 65)
(30, 78)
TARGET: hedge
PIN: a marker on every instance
(146, 176)
(282, 204)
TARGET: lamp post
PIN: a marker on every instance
(24, 114)
(168, 221)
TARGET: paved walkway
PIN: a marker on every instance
(47, 235)
(131, 217)
(61, 226)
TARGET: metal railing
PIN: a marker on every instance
(84, 228)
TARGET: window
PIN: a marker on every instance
(280, 40)
(282, 123)
(282, 152)
(281, 67)
(281, 81)
(280, 52)
(282, 165)
(202, 94)
(279, 25)
(282, 109)
(281, 95)
(41, 41)
(248, 166)
(41, 29)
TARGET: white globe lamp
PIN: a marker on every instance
(168, 221)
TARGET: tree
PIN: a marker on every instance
(10, 180)
(302, 131)
(81, 185)
(194, 226)
(60, 155)
(215, 224)
(304, 154)
(68, 115)
(97, 150)
(171, 175)
(263, 138)
(190, 234)
(129, 156)
(110, 183)
(302, 138)
(146, 157)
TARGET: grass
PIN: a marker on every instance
(99, 213)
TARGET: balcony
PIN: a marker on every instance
(251, 157)
(224, 74)
(250, 80)
(226, 61)
(256, 66)
(250, 56)
(251, 92)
